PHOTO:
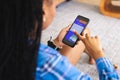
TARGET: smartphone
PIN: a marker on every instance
(78, 25)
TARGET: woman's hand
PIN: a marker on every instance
(59, 38)
(92, 44)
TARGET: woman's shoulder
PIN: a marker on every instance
(46, 53)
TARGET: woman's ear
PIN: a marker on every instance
(44, 18)
(48, 13)
(44, 11)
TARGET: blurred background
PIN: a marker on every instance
(94, 2)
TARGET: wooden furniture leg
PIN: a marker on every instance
(107, 8)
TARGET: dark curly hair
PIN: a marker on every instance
(19, 38)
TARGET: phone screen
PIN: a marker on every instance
(79, 25)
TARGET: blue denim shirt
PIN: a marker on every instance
(51, 65)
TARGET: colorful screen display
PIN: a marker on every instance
(77, 26)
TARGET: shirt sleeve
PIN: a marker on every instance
(106, 69)
(51, 65)
(58, 68)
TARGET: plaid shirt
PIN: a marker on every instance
(51, 65)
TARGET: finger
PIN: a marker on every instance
(69, 25)
(86, 31)
(91, 37)
(77, 42)
(87, 36)
(96, 37)
(67, 28)
(79, 36)
(83, 34)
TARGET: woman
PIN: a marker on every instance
(22, 22)
(53, 66)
